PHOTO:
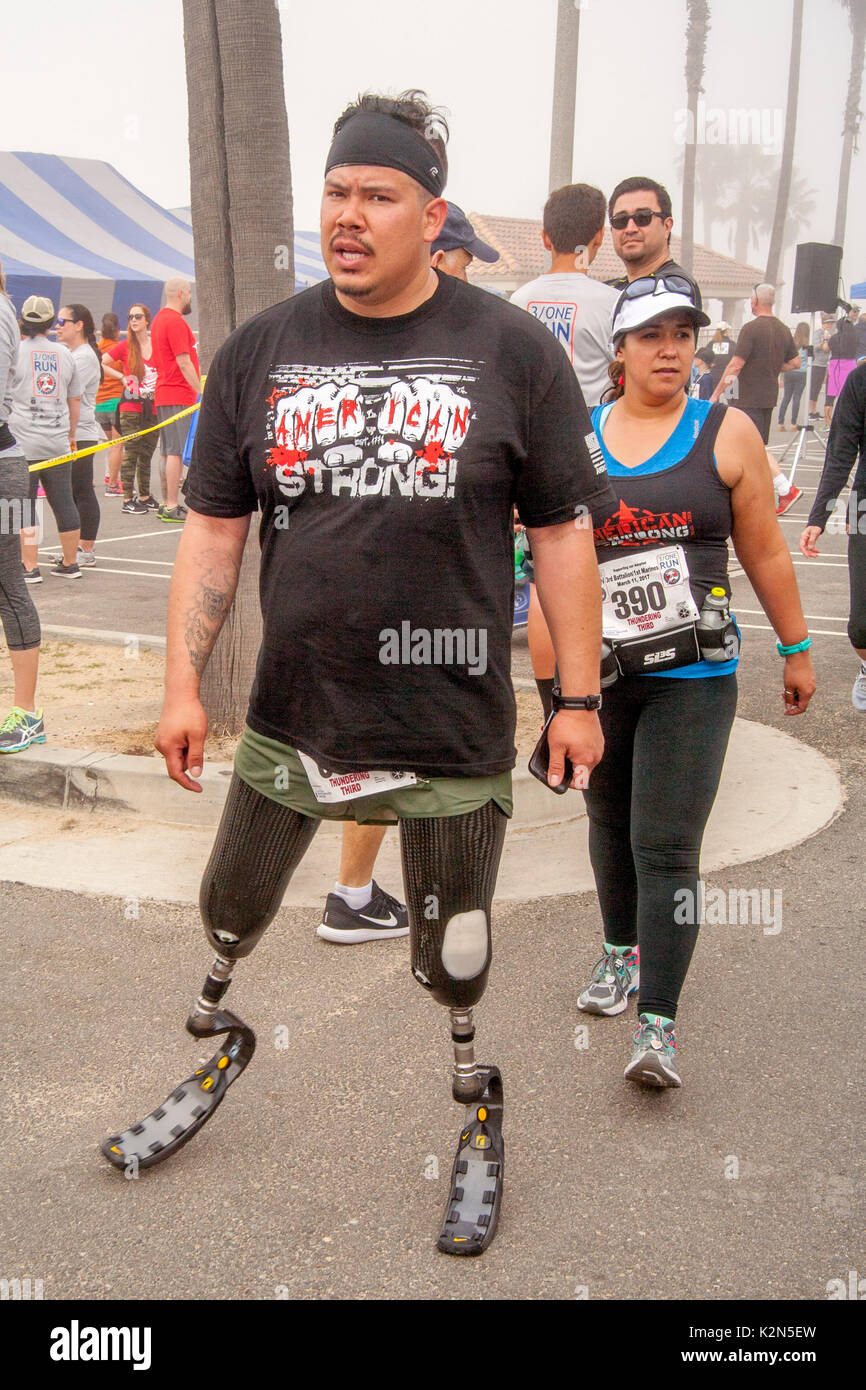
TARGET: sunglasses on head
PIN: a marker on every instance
(641, 218)
(647, 284)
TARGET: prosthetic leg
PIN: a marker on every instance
(259, 845)
(450, 868)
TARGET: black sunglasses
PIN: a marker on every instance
(134, 316)
(641, 218)
(646, 284)
(60, 322)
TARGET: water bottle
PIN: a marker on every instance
(714, 627)
(609, 668)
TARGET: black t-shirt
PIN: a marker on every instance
(717, 357)
(765, 345)
(386, 456)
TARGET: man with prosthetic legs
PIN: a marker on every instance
(381, 420)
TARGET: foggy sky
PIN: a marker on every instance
(109, 83)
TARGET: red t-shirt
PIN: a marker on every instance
(171, 337)
(120, 352)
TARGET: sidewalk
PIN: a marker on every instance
(116, 825)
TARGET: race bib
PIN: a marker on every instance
(646, 594)
(346, 786)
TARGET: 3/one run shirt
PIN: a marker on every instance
(386, 456)
(170, 338)
(45, 376)
(578, 311)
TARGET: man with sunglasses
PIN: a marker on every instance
(640, 224)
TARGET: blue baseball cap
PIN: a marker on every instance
(459, 234)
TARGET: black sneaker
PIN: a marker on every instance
(383, 916)
(133, 505)
(32, 576)
(61, 571)
(150, 503)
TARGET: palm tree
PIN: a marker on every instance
(564, 94)
(241, 194)
(777, 236)
(746, 173)
(851, 125)
(697, 28)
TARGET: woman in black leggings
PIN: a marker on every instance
(23, 725)
(76, 330)
(46, 396)
(687, 475)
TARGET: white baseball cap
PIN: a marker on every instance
(650, 296)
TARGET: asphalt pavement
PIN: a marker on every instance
(324, 1174)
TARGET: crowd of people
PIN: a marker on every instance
(63, 392)
(399, 414)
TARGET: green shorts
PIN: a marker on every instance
(275, 770)
(106, 407)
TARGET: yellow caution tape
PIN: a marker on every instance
(110, 443)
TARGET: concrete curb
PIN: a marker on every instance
(142, 640)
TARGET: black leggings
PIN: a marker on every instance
(648, 802)
(857, 573)
(17, 610)
(57, 484)
(83, 493)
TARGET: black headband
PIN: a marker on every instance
(371, 137)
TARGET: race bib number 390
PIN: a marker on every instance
(646, 593)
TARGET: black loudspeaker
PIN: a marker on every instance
(816, 278)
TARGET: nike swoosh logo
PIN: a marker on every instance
(389, 921)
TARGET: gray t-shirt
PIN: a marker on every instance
(9, 340)
(578, 312)
(88, 374)
(45, 375)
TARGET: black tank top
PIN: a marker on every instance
(674, 498)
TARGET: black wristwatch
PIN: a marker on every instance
(561, 701)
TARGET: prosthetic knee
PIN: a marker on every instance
(450, 867)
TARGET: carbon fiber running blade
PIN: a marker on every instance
(475, 1198)
(190, 1105)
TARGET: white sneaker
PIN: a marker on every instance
(858, 694)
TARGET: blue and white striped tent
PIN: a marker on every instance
(77, 230)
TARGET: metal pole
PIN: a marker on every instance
(564, 93)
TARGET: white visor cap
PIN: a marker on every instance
(636, 313)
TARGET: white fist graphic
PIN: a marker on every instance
(425, 411)
(320, 415)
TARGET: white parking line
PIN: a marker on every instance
(815, 631)
(143, 574)
(137, 536)
(818, 617)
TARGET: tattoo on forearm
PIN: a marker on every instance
(205, 615)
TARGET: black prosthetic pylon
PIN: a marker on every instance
(191, 1104)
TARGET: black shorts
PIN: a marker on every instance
(760, 416)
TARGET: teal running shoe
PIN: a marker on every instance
(613, 979)
(654, 1056)
(19, 729)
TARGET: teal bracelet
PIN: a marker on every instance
(798, 647)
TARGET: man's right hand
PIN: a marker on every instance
(180, 739)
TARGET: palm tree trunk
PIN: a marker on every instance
(696, 46)
(777, 237)
(564, 94)
(857, 17)
(241, 195)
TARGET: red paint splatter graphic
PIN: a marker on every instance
(285, 458)
(276, 395)
(432, 453)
